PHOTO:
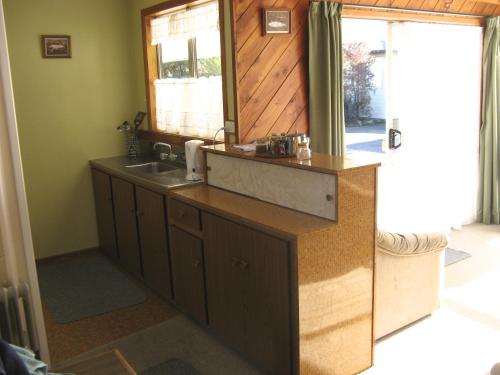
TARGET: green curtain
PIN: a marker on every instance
(490, 127)
(326, 88)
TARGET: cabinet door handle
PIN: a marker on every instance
(329, 197)
(234, 261)
(139, 213)
(243, 264)
(181, 214)
(196, 263)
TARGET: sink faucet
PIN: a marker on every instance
(163, 155)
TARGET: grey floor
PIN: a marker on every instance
(176, 338)
(461, 338)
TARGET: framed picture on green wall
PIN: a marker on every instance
(56, 46)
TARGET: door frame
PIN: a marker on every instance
(17, 239)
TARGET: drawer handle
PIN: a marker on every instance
(196, 264)
(181, 214)
(243, 264)
(234, 261)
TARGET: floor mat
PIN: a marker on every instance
(177, 338)
(452, 256)
(172, 367)
(85, 285)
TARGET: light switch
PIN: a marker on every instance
(229, 127)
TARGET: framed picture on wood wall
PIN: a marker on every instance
(56, 46)
(276, 21)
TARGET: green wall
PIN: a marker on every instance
(67, 110)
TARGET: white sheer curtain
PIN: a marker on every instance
(430, 183)
(185, 24)
(189, 106)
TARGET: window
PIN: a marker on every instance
(184, 70)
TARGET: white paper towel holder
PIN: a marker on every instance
(194, 160)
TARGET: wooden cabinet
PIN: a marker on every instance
(248, 291)
(185, 214)
(153, 240)
(132, 227)
(104, 213)
(186, 252)
(126, 225)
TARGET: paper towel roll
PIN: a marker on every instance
(194, 160)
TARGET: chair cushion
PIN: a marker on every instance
(408, 244)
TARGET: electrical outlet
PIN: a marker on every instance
(229, 128)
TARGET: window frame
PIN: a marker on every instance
(151, 66)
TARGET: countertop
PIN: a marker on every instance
(322, 163)
(265, 216)
(161, 183)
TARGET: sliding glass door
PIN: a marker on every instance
(426, 82)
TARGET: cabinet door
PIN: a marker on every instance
(153, 239)
(126, 225)
(188, 275)
(104, 213)
(247, 276)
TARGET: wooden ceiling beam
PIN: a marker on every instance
(409, 15)
(494, 2)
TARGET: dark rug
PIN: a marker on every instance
(452, 256)
(173, 366)
(85, 285)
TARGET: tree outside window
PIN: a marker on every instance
(358, 82)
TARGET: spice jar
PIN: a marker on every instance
(304, 152)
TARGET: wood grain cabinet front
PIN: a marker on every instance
(153, 239)
(185, 214)
(188, 273)
(248, 291)
(103, 200)
(126, 225)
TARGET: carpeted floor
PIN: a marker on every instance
(71, 339)
(176, 339)
(85, 285)
(461, 338)
(173, 366)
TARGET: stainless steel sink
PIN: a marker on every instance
(154, 167)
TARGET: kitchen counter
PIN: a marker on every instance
(322, 163)
(161, 183)
(301, 281)
(266, 216)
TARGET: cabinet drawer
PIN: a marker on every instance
(184, 214)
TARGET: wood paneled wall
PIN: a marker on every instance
(271, 71)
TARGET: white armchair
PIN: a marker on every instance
(408, 278)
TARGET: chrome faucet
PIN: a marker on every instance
(163, 155)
